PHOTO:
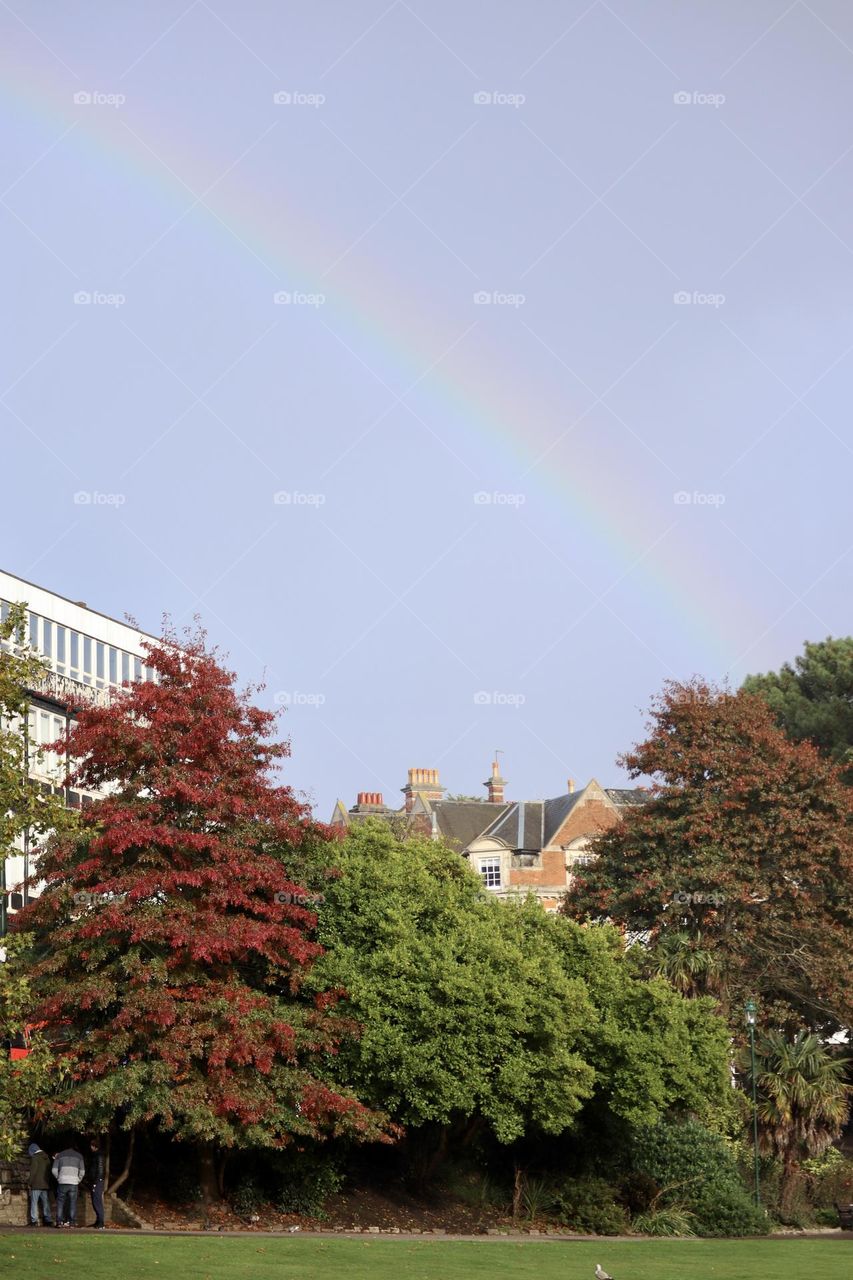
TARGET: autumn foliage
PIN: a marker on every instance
(743, 856)
(172, 950)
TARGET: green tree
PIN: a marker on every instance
(24, 806)
(803, 1100)
(813, 699)
(26, 1082)
(744, 851)
(655, 1053)
(479, 1013)
(459, 1018)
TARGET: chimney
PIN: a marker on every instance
(425, 782)
(571, 786)
(495, 785)
(369, 800)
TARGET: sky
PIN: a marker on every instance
(469, 368)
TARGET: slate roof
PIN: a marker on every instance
(462, 821)
(521, 826)
(622, 796)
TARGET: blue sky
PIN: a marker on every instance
(553, 404)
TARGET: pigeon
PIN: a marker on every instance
(600, 1273)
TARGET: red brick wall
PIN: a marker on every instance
(588, 818)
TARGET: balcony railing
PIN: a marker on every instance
(69, 693)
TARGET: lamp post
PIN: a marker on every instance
(750, 1010)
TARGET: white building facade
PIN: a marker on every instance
(89, 656)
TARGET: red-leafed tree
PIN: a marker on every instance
(172, 940)
(739, 869)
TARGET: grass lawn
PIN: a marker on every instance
(105, 1257)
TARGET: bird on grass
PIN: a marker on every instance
(600, 1273)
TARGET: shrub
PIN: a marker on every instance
(829, 1179)
(696, 1167)
(247, 1197)
(588, 1205)
(306, 1179)
(725, 1209)
(675, 1220)
(537, 1198)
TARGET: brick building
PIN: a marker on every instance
(517, 846)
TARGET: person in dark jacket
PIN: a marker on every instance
(95, 1175)
(39, 1185)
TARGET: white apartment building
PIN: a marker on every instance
(89, 656)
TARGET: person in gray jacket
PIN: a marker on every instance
(68, 1169)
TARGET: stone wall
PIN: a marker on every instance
(14, 1209)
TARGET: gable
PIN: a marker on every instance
(592, 812)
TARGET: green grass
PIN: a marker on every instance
(35, 1257)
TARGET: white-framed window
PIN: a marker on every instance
(490, 870)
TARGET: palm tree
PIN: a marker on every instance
(803, 1099)
(691, 968)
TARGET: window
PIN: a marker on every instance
(490, 870)
(87, 659)
(125, 667)
(47, 638)
(137, 668)
(34, 630)
(113, 666)
(75, 654)
(60, 645)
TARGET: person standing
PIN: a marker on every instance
(39, 1185)
(95, 1177)
(68, 1169)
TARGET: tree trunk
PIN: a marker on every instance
(220, 1173)
(517, 1191)
(125, 1173)
(786, 1190)
(208, 1180)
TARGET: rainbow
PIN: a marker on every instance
(467, 382)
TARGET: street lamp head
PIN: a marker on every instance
(750, 1010)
